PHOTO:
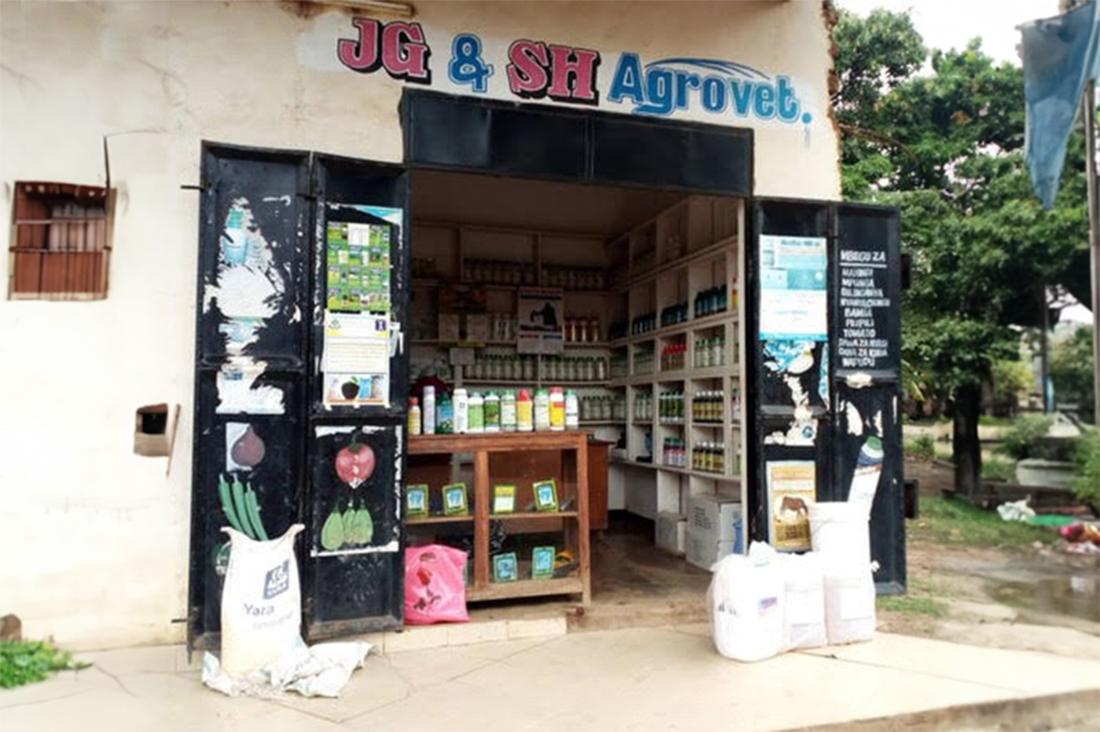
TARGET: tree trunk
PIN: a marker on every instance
(966, 448)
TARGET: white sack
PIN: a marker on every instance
(745, 601)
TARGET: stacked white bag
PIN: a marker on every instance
(804, 614)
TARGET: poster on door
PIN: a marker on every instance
(540, 320)
(356, 360)
(792, 488)
(358, 267)
(793, 294)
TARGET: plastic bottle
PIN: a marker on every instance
(492, 412)
(572, 411)
(557, 409)
(525, 412)
(508, 411)
(414, 416)
(542, 411)
(429, 410)
(462, 412)
(444, 416)
(476, 414)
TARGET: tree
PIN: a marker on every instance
(1071, 369)
(946, 147)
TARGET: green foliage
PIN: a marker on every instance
(24, 662)
(1071, 368)
(922, 447)
(1024, 439)
(1086, 484)
(999, 469)
(911, 605)
(951, 521)
(1011, 379)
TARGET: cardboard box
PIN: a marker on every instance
(703, 552)
(671, 532)
(716, 516)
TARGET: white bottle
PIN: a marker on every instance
(542, 411)
(428, 410)
(572, 411)
(462, 411)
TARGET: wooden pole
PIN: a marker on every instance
(1094, 238)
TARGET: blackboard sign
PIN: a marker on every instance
(868, 289)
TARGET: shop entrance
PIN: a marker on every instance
(645, 333)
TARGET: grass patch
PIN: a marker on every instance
(950, 521)
(24, 662)
(911, 605)
(999, 469)
(988, 420)
(920, 448)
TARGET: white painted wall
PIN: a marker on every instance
(94, 538)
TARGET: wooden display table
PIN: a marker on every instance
(573, 483)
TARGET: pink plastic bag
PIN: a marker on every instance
(435, 585)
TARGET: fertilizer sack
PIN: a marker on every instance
(261, 602)
(746, 604)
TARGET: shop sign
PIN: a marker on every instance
(713, 90)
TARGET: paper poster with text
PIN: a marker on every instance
(793, 288)
(792, 488)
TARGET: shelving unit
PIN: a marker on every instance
(573, 446)
(677, 260)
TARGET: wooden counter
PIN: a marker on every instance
(573, 449)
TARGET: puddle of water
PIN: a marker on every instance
(1075, 595)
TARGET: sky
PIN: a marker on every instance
(951, 23)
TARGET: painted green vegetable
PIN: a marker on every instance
(365, 525)
(242, 508)
(254, 514)
(332, 533)
(349, 524)
(227, 504)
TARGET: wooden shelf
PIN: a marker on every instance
(707, 321)
(533, 515)
(681, 471)
(418, 520)
(526, 588)
(574, 484)
(713, 250)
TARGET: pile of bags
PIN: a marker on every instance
(766, 602)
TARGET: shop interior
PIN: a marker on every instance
(653, 350)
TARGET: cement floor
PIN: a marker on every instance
(634, 679)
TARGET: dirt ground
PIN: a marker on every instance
(1029, 597)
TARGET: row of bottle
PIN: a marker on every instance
(643, 408)
(588, 368)
(582, 330)
(709, 457)
(497, 272)
(502, 327)
(711, 300)
(574, 278)
(706, 406)
(505, 368)
(619, 367)
(603, 408)
(670, 407)
(551, 410)
(643, 362)
(674, 452)
(643, 324)
(673, 357)
(710, 352)
(674, 314)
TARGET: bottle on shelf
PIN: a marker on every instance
(476, 414)
(462, 411)
(492, 412)
(444, 415)
(525, 412)
(414, 416)
(557, 409)
(542, 410)
(508, 411)
(429, 410)
(572, 410)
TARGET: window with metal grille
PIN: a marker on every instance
(60, 243)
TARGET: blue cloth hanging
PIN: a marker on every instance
(1060, 56)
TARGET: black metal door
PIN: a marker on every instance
(816, 398)
(263, 435)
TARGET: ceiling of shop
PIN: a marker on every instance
(534, 204)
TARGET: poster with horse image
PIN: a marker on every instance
(792, 487)
(541, 320)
